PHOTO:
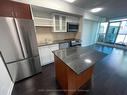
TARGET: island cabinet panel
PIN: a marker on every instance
(61, 73)
(68, 79)
(76, 81)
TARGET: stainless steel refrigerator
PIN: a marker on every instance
(18, 45)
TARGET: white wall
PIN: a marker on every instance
(93, 17)
(90, 28)
(6, 85)
(89, 33)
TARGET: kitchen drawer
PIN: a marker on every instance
(25, 68)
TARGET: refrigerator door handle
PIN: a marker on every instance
(26, 32)
(21, 38)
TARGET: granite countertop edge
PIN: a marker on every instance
(78, 72)
(72, 69)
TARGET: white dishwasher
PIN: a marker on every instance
(64, 45)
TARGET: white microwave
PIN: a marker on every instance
(72, 27)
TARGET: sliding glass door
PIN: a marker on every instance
(102, 31)
(125, 40)
(122, 35)
(112, 32)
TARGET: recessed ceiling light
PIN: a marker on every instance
(95, 10)
(70, 1)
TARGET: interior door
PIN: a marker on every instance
(112, 32)
(27, 37)
(9, 41)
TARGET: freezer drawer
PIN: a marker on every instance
(23, 69)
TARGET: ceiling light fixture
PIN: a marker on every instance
(70, 1)
(95, 10)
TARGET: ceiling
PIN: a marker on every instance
(112, 8)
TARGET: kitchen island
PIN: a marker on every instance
(74, 67)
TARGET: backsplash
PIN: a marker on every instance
(45, 34)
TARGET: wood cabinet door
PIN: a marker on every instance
(6, 9)
(22, 10)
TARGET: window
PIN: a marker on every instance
(122, 35)
(120, 39)
(125, 40)
(112, 32)
(102, 31)
(123, 28)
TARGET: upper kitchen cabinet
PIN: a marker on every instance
(60, 23)
(42, 17)
(44, 22)
(15, 9)
(6, 9)
(73, 19)
(22, 10)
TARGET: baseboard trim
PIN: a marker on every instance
(10, 88)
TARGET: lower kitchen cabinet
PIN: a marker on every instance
(53, 48)
(46, 55)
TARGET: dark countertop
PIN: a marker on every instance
(56, 42)
(80, 58)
